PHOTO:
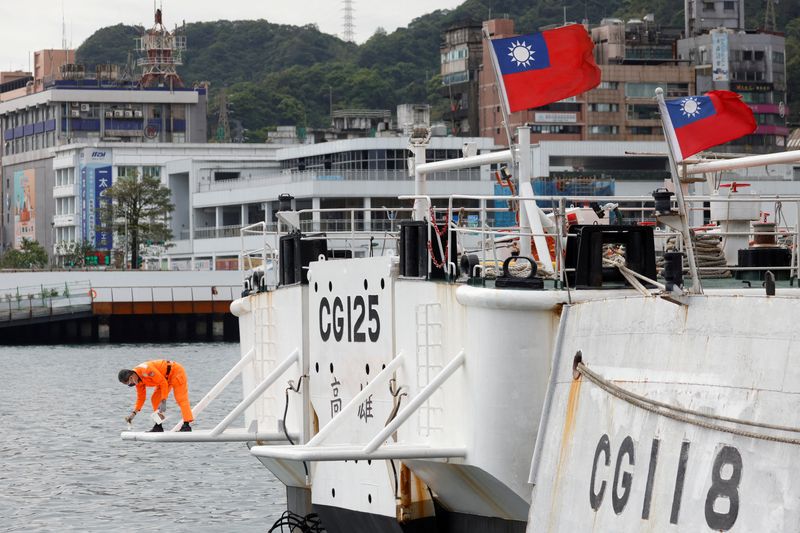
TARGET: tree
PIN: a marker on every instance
(31, 254)
(137, 210)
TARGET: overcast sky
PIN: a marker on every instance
(36, 24)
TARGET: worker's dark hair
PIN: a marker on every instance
(124, 375)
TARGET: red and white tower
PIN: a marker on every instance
(161, 52)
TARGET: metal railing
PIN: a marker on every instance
(206, 183)
(37, 301)
(358, 224)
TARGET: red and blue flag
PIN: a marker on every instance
(541, 68)
(694, 123)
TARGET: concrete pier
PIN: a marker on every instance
(120, 307)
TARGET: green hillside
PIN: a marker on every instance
(278, 74)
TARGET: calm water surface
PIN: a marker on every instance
(63, 466)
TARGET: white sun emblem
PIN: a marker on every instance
(690, 107)
(521, 54)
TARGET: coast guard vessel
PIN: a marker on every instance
(549, 378)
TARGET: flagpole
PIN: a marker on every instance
(697, 287)
(501, 92)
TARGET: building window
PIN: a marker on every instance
(642, 112)
(777, 58)
(608, 85)
(223, 175)
(127, 172)
(708, 6)
(151, 172)
(604, 108)
(728, 5)
(747, 55)
(604, 130)
(641, 90)
(677, 89)
(641, 130)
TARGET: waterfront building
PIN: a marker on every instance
(61, 104)
(86, 111)
(219, 188)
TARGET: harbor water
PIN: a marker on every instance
(63, 466)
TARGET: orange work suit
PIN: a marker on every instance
(164, 376)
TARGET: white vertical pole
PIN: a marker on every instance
(697, 286)
(524, 170)
(501, 89)
(421, 206)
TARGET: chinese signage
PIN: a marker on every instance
(719, 56)
(24, 206)
(751, 87)
(561, 118)
(95, 179)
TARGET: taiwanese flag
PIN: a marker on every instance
(540, 68)
(695, 123)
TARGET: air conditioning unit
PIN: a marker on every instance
(75, 113)
(109, 114)
(86, 108)
(128, 114)
(118, 113)
(137, 113)
(74, 104)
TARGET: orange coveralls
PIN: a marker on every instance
(165, 376)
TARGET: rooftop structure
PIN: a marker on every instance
(161, 53)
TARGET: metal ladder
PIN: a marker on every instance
(429, 364)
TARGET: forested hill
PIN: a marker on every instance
(279, 74)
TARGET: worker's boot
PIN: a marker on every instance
(157, 428)
(186, 427)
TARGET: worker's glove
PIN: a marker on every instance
(162, 407)
(130, 417)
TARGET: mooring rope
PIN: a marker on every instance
(678, 413)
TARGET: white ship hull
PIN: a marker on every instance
(608, 465)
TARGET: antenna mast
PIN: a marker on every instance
(349, 34)
(63, 28)
(769, 16)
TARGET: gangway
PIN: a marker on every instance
(221, 433)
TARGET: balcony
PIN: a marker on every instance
(64, 221)
(473, 174)
(65, 191)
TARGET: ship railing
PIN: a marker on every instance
(365, 230)
(635, 209)
(220, 432)
(377, 448)
(264, 256)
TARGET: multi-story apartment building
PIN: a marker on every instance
(634, 58)
(565, 120)
(462, 57)
(728, 56)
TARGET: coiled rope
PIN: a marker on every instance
(680, 414)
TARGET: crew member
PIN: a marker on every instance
(164, 376)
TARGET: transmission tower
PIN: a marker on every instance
(769, 16)
(349, 34)
(223, 126)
